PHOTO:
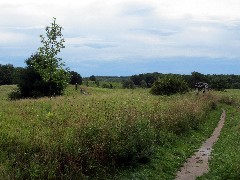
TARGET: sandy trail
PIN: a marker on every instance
(197, 165)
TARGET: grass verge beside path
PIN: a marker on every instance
(171, 156)
(225, 161)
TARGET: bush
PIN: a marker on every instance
(128, 84)
(75, 78)
(14, 95)
(92, 78)
(169, 85)
(109, 86)
(31, 84)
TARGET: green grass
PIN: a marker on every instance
(225, 161)
(99, 134)
(170, 157)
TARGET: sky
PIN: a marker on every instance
(127, 37)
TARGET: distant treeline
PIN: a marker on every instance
(217, 82)
(9, 74)
(110, 78)
(13, 75)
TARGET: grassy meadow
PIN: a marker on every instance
(103, 134)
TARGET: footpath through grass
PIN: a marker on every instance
(225, 161)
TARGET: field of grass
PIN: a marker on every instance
(99, 134)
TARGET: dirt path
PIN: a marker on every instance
(197, 165)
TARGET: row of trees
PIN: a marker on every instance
(13, 75)
(217, 82)
(9, 74)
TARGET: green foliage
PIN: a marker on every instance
(10, 74)
(49, 66)
(169, 85)
(128, 84)
(75, 78)
(145, 80)
(197, 77)
(44, 74)
(104, 82)
(92, 78)
(143, 84)
(31, 83)
(115, 79)
(107, 85)
(216, 82)
(219, 82)
(6, 74)
(18, 71)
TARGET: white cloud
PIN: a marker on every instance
(123, 29)
(202, 9)
(12, 38)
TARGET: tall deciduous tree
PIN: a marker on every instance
(51, 68)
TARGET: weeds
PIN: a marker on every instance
(92, 136)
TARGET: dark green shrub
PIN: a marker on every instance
(75, 78)
(14, 95)
(92, 78)
(109, 86)
(31, 84)
(6, 74)
(128, 84)
(169, 85)
(143, 84)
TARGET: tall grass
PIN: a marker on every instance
(77, 136)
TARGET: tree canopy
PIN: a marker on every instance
(92, 78)
(45, 74)
(169, 85)
(75, 78)
(6, 74)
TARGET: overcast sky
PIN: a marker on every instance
(126, 37)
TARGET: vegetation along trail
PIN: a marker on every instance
(197, 165)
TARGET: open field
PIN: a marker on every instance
(100, 134)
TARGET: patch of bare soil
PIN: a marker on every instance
(197, 165)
